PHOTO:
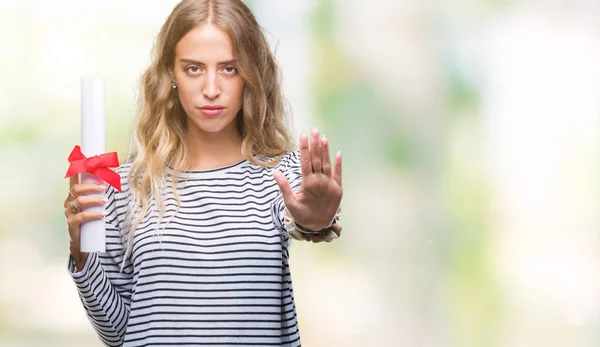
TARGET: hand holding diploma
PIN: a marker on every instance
(82, 196)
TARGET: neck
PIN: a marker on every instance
(214, 150)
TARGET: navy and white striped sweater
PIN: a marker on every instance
(218, 274)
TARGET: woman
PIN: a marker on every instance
(198, 238)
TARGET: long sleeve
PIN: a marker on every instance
(283, 220)
(105, 289)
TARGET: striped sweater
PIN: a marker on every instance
(217, 274)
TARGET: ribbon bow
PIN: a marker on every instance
(97, 165)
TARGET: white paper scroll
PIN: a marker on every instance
(93, 233)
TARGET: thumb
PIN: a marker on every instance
(289, 198)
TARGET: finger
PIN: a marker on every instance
(89, 201)
(315, 151)
(69, 208)
(337, 174)
(326, 159)
(305, 164)
(87, 188)
(289, 198)
(84, 202)
(74, 220)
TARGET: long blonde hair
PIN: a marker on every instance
(160, 131)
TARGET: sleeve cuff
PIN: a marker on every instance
(297, 232)
(79, 276)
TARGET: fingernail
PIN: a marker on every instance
(315, 130)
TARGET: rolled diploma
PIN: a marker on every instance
(93, 233)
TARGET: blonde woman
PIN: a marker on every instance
(198, 238)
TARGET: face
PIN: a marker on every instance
(209, 85)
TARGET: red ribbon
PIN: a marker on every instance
(97, 165)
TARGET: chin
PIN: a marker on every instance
(213, 126)
(209, 128)
(212, 130)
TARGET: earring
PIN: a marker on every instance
(174, 85)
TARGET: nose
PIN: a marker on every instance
(210, 89)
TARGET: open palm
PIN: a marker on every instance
(316, 202)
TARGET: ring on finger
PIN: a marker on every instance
(71, 194)
(74, 207)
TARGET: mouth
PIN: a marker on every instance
(212, 110)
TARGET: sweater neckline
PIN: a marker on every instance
(210, 172)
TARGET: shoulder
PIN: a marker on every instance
(117, 201)
(289, 160)
(289, 165)
(123, 172)
(284, 162)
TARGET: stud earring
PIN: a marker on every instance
(174, 85)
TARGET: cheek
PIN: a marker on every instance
(186, 92)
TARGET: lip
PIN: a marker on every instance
(211, 110)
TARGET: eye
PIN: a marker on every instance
(192, 68)
(230, 70)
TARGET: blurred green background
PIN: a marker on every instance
(470, 132)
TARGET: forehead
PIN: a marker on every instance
(207, 43)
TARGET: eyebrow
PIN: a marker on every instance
(191, 61)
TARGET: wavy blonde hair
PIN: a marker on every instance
(160, 131)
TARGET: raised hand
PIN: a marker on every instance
(316, 202)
